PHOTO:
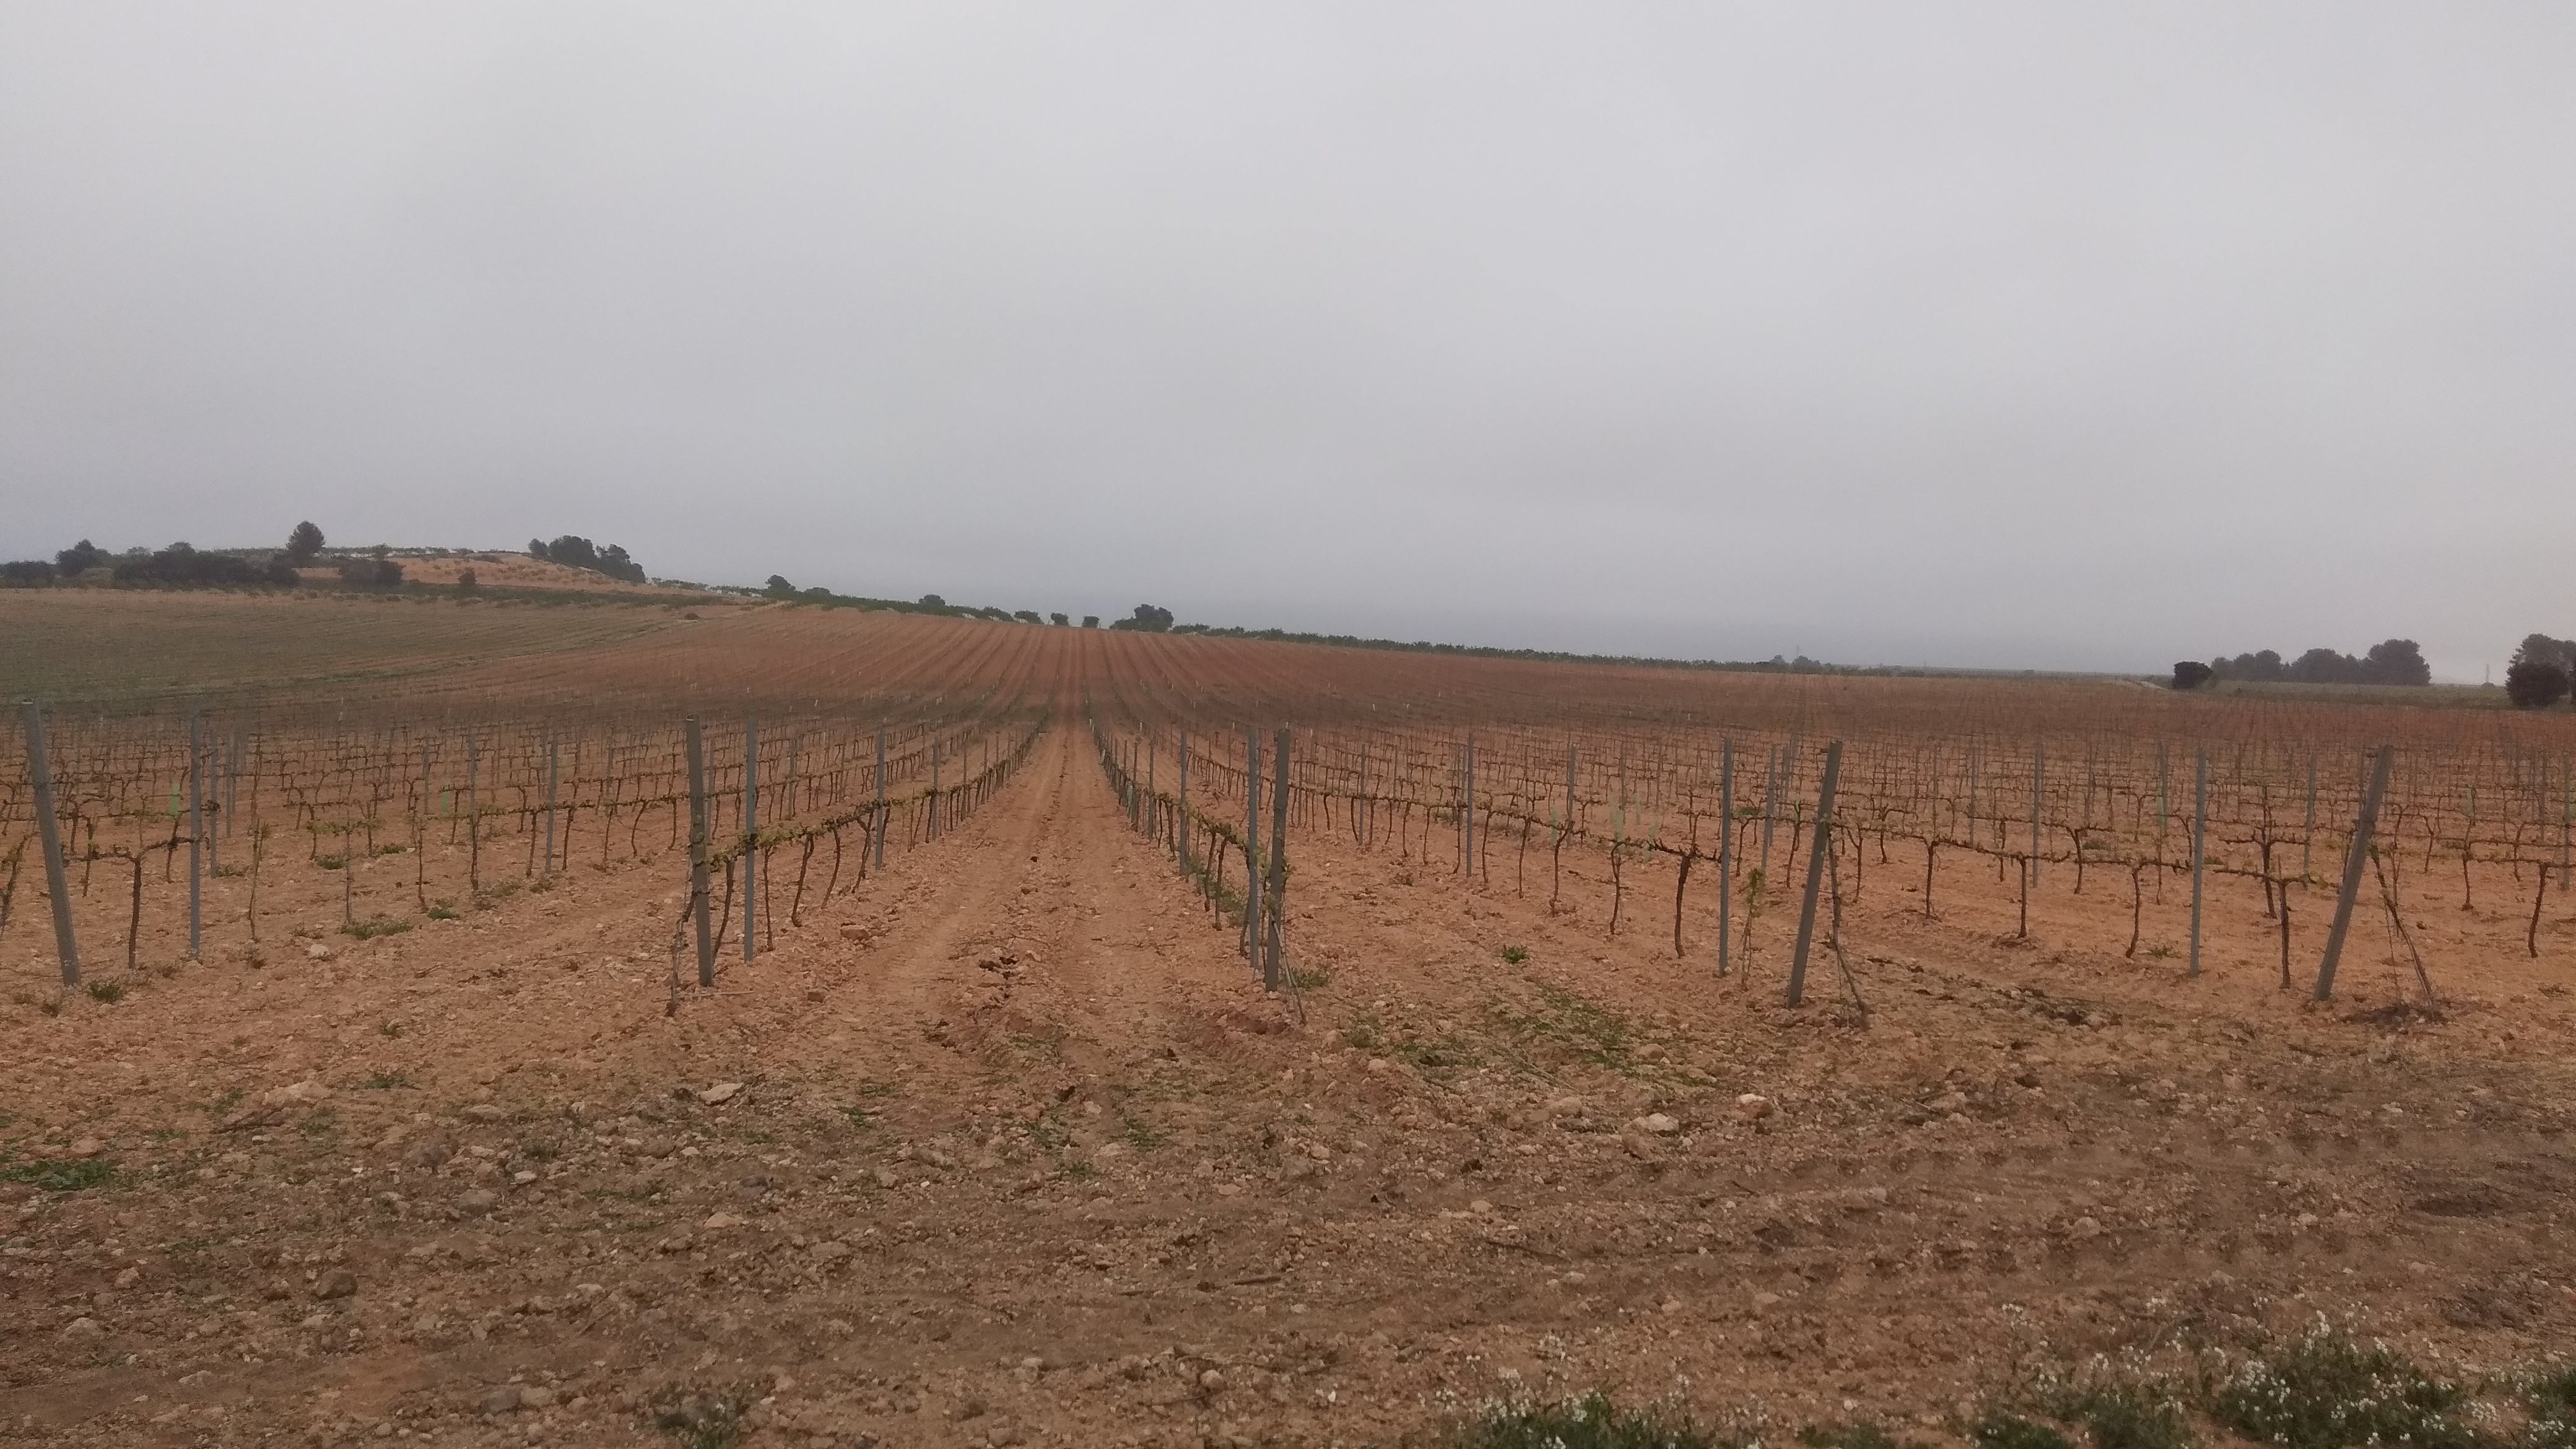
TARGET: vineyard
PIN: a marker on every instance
(505, 1023)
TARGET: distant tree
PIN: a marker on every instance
(1148, 617)
(182, 564)
(466, 583)
(80, 558)
(933, 601)
(779, 588)
(28, 572)
(304, 542)
(2191, 674)
(1025, 616)
(2396, 661)
(536, 548)
(614, 563)
(1058, 620)
(1091, 621)
(574, 550)
(2535, 683)
(2541, 649)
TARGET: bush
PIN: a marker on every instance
(779, 588)
(2191, 674)
(1058, 620)
(466, 583)
(2326, 1391)
(183, 564)
(1091, 621)
(27, 573)
(2535, 684)
(376, 571)
(1025, 616)
(303, 543)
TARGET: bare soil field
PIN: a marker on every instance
(1010, 1147)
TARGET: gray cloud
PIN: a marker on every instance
(2035, 336)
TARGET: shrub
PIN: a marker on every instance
(303, 543)
(933, 601)
(1025, 616)
(1590, 1422)
(2535, 683)
(2191, 674)
(2327, 1391)
(1058, 620)
(1091, 621)
(27, 573)
(181, 563)
(779, 588)
(80, 558)
(376, 571)
(466, 583)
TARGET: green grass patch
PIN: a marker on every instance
(2550, 1399)
(1589, 1422)
(2121, 1413)
(2328, 1390)
(107, 991)
(442, 910)
(374, 926)
(1515, 954)
(61, 1174)
(1310, 979)
(1581, 1029)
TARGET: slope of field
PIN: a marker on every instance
(1007, 1145)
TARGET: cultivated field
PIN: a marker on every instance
(997, 1136)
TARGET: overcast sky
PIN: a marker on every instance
(2045, 336)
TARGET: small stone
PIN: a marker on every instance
(719, 1093)
(2086, 1228)
(1765, 1300)
(536, 1396)
(479, 1200)
(883, 1178)
(1659, 1124)
(83, 1328)
(317, 952)
(522, 1178)
(88, 1147)
(1753, 1106)
(1211, 1380)
(1380, 1065)
(1320, 1152)
(501, 1400)
(129, 1277)
(718, 1222)
(337, 1283)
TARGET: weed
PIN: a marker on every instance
(1589, 1422)
(859, 1116)
(389, 1028)
(442, 910)
(2161, 950)
(2120, 1413)
(332, 862)
(374, 926)
(708, 1419)
(1515, 955)
(61, 1174)
(2550, 1399)
(107, 991)
(2001, 1430)
(1861, 1435)
(385, 1081)
(2327, 1391)
(319, 1124)
(1588, 1031)
(50, 1005)
(1140, 1136)
(1310, 978)
(1360, 1036)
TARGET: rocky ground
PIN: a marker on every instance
(1013, 1149)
